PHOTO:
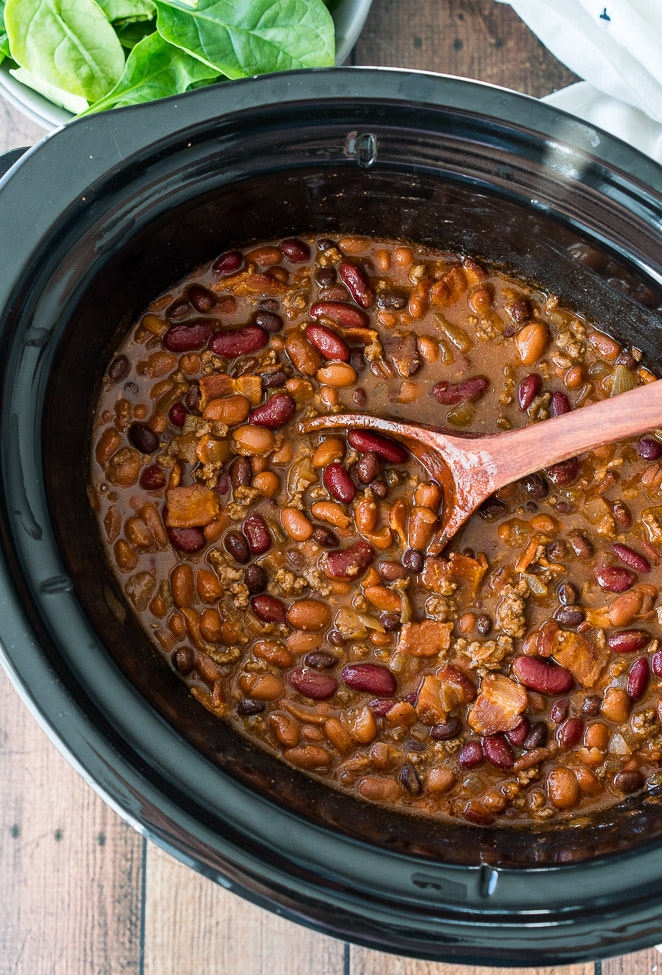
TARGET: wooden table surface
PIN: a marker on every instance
(81, 893)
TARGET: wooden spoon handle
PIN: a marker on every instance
(520, 452)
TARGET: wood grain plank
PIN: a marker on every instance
(471, 38)
(366, 962)
(70, 869)
(640, 963)
(195, 927)
(15, 129)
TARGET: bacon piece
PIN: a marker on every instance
(498, 706)
(191, 507)
(584, 659)
(440, 694)
(425, 639)
(437, 571)
(449, 288)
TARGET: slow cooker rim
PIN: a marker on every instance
(14, 637)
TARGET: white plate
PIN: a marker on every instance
(348, 17)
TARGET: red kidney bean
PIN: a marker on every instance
(296, 250)
(241, 472)
(187, 539)
(371, 678)
(628, 781)
(339, 484)
(177, 414)
(449, 394)
(613, 578)
(187, 338)
(638, 678)
(570, 733)
(542, 675)
(152, 478)
(257, 534)
(349, 562)
(228, 263)
(365, 441)
(268, 320)
(340, 313)
(470, 755)
(335, 292)
(143, 438)
(255, 578)
(245, 340)
(224, 484)
(563, 473)
(519, 734)
(237, 546)
(560, 404)
(359, 287)
(621, 514)
(118, 369)
(330, 345)
(656, 663)
(381, 706)
(442, 732)
(559, 711)
(537, 737)
(649, 449)
(580, 545)
(269, 609)
(202, 300)
(628, 641)
(528, 390)
(497, 751)
(275, 413)
(631, 558)
(311, 683)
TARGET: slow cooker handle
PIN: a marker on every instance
(7, 159)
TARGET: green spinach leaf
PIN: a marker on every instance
(4, 40)
(72, 103)
(127, 11)
(66, 43)
(154, 69)
(131, 34)
(240, 38)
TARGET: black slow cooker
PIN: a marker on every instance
(108, 211)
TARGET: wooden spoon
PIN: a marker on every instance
(472, 466)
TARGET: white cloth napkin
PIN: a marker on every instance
(616, 45)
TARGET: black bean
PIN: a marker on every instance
(359, 396)
(118, 369)
(565, 507)
(408, 777)
(131, 388)
(557, 550)
(379, 488)
(357, 359)
(537, 737)
(325, 276)
(320, 660)
(569, 616)
(255, 579)
(201, 299)
(391, 299)
(413, 560)
(325, 538)
(580, 544)
(591, 706)
(368, 468)
(241, 472)
(441, 732)
(143, 438)
(491, 508)
(183, 661)
(567, 593)
(627, 360)
(335, 638)
(246, 708)
(269, 304)
(274, 380)
(390, 621)
(179, 311)
(483, 624)
(237, 546)
(535, 485)
(192, 397)
(268, 320)
(325, 244)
